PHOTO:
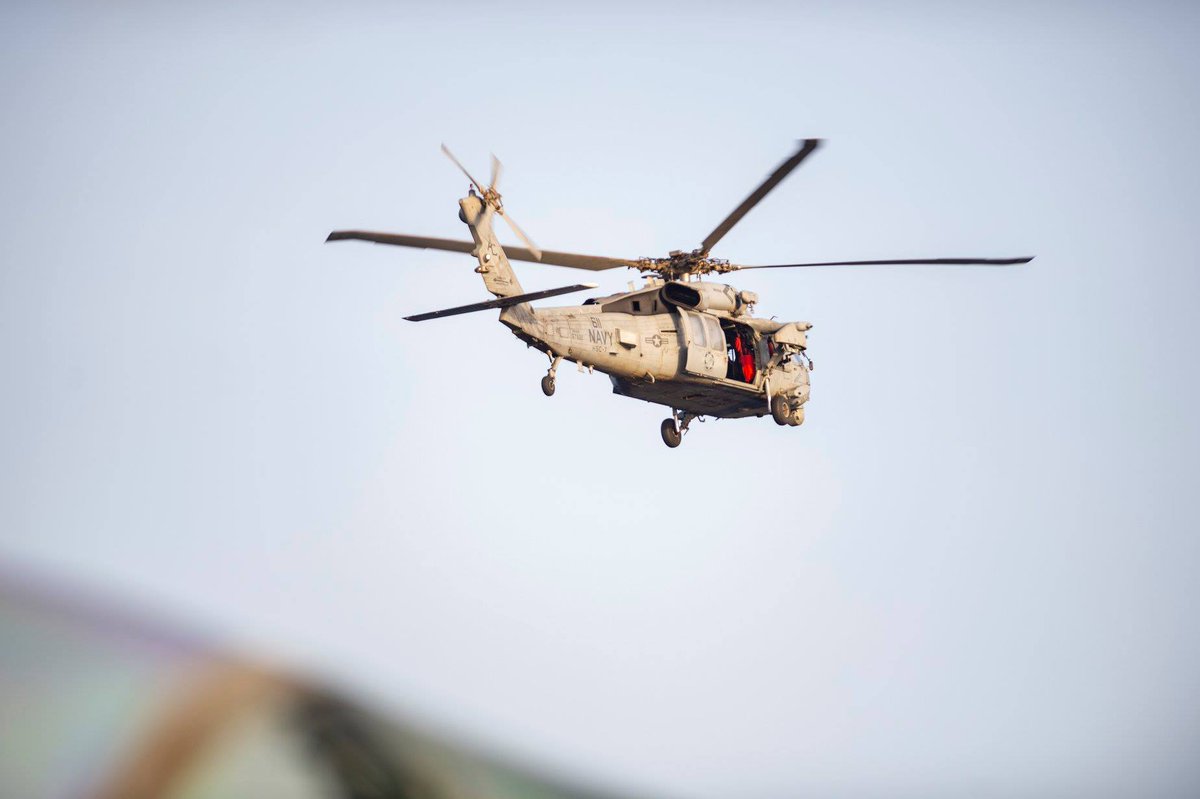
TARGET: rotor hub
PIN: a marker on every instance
(679, 264)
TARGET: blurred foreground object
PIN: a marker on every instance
(96, 705)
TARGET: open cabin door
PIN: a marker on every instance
(704, 344)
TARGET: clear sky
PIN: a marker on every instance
(971, 571)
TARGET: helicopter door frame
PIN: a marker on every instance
(700, 356)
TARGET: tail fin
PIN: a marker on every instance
(497, 273)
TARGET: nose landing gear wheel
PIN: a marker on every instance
(781, 412)
(548, 385)
(670, 433)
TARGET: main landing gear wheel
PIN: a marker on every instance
(670, 433)
(548, 380)
(781, 411)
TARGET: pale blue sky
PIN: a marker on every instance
(972, 571)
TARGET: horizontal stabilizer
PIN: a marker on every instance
(501, 302)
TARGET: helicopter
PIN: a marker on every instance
(690, 344)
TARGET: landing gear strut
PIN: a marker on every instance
(548, 379)
(672, 433)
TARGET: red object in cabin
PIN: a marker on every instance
(745, 357)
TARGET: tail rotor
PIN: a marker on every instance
(492, 197)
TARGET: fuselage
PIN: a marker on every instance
(711, 363)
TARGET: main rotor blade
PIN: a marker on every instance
(594, 263)
(450, 155)
(903, 262)
(773, 180)
(533, 248)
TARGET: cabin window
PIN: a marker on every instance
(697, 330)
(637, 306)
(716, 339)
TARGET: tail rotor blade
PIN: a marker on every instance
(533, 248)
(450, 155)
(496, 167)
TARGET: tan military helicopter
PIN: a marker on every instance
(679, 341)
